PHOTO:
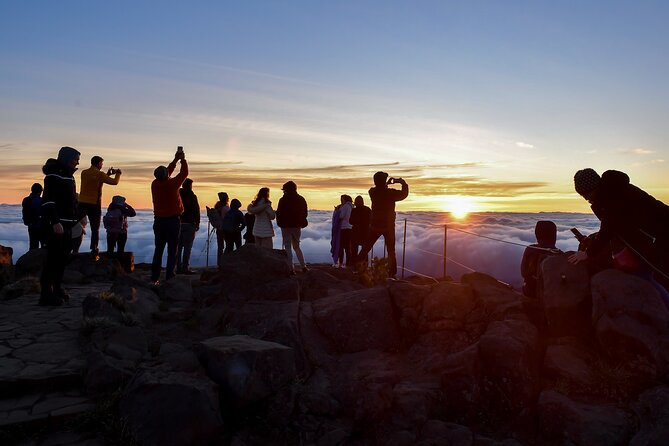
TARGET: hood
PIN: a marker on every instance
(235, 204)
(546, 233)
(52, 166)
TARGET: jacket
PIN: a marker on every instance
(92, 180)
(264, 215)
(383, 205)
(292, 211)
(165, 193)
(59, 199)
(345, 215)
(126, 211)
(360, 218)
(639, 220)
(31, 207)
(191, 213)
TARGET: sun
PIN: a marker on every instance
(458, 206)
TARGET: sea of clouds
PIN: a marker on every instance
(493, 249)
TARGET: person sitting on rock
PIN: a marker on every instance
(546, 233)
(629, 214)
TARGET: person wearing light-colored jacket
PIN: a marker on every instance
(261, 207)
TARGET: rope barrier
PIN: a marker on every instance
(418, 274)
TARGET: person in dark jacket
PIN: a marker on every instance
(360, 217)
(32, 208)
(190, 224)
(383, 216)
(291, 217)
(117, 232)
(546, 233)
(232, 226)
(59, 214)
(627, 213)
(250, 220)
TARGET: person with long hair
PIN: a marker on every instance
(223, 208)
(261, 207)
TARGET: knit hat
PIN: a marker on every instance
(66, 155)
(546, 233)
(119, 200)
(380, 178)
(289, 186)
(585, 181)
(160, 173)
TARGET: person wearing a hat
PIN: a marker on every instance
(116, 223)
(291, 217)
(627, 214)
(383, 216)
(90, 195)
(167, 210)
(59, 215)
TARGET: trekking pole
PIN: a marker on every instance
(404, 246)
(445, 238)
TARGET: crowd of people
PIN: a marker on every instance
(634, 232)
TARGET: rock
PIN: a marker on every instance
(413, 402)
(179, 357)
(631, 322)
(358, 321)
(510, 358)
(565, 296)
(408, 300)
(166, 407)
(25, 285)
(246, 369)
(254, 265)
(440, 433)
(652, 410)
(451, 306)
(317, 283)
(178, 289)
(30, 263)
(461, 385)
(103, 306)
(141, 301)
(498, 299)
(106, 374)
(563, 421)
(570, 361)
(102, 269)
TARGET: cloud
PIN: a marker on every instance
(524, 145)
(638, 151)
(424, 240)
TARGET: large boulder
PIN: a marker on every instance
(166, 407)
(317, 283)
(564, 421)
(568, 360)
(24, 285)
(451, 306)
(30, 263)
(510, 358)
(6, 266)
(498, 299)
(106, 374)
(652, 410)
(461, 385)
(565, 296)
(631, 322)
(139, 300)
(86, 268)
(358, 321)
(408, 302)
(247, 369)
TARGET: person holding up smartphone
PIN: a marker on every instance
(167, 210)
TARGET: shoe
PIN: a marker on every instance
(62, 294)
(50, 300)
(305, 269)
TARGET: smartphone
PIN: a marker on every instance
(180, 149)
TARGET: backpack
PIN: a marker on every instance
(113, 221)
(31, 210)
(214, 218)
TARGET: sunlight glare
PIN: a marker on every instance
(458, 206)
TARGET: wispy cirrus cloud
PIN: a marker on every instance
(524, 145)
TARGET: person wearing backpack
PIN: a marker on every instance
(31, 207)
(116, 224)
(232, 226)
(190, 224)
(546, 234)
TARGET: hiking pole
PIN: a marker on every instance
(404, 246)
(445, 238)
(208, 238)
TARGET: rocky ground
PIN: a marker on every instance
(252, 355)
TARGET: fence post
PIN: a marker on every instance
(404, 246)
(445, 239)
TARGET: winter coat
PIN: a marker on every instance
(546, 233)
(383, 205)
(264, 215)
(59, 200)
(92, 180)
(191, 213)
(345, 215)
(31, 209)
(292, 211)
(126, 211)
(640, 221)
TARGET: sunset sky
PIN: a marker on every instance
(491, 105)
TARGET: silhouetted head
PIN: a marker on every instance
(359, 202)
(289, 186)
(346, 199)
(586, 181)
(97, 161)
(188, 184)
(69, 157)
(380, 179)
(546, 233)
(235, 204)
(118, 200)
(161, 173)
(36, 188)
(223, 197)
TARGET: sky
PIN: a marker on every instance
(492, 242)
(478, 105)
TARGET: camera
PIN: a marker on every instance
(111, 171)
